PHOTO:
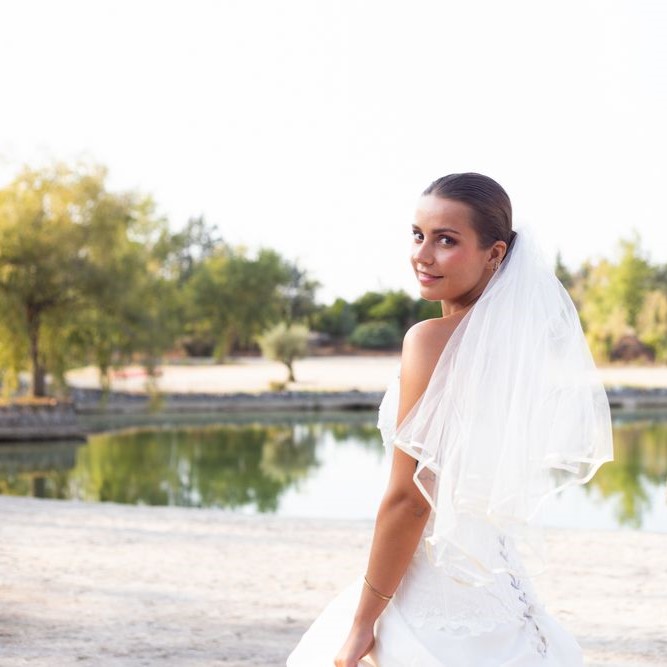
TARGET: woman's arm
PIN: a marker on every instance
(404, 511)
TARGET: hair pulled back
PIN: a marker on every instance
(490, 205)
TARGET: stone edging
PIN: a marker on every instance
(60, 421)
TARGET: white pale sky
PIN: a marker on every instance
(311, 127)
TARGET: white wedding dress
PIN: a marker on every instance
(435, 621)
(514, 411)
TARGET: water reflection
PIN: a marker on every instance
(305, 465)
(637, 477)
(36, 468)
(209, 466)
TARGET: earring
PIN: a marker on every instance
(496, 266)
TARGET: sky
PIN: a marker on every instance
(311, 127)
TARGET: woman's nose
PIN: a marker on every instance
(422, 253)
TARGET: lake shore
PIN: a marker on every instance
(323, 383)
(135, 585)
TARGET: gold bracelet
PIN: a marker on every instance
(376, 591)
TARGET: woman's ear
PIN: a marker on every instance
(498, 251)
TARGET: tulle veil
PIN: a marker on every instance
(514, 412)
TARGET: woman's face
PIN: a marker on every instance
(445, 256)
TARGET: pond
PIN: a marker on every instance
(306, 465)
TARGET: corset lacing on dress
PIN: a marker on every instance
(429, 597)
(515, 583)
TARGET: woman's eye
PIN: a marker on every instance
(443, 239)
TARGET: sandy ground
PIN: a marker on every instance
(107, 584)
(253, 374)
(365, 373)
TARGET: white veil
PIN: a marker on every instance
(514, 411)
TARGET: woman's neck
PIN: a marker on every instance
(451, 308)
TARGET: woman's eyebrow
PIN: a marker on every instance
(440, 230)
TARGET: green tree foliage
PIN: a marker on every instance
(285, 343)
(428, 309)
(226, 297)
(652, 323)
(603, 318)
(658, 277)
(183, 251)
(376, 335)
(232, 297)
(364, 305)
(338, 319)
(131, 306)
(383, 317)
(630, 278)
(562, 272)
(76, 274)
(181, 255)
(41, 263)
(610, 296)
(397, 307)
(298, 294)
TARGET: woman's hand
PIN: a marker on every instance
(358, 643)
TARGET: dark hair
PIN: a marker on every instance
(490, 204)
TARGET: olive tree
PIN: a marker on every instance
(285, 343)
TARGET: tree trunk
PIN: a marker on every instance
(38, 370)
(291, 371)
(224, 345)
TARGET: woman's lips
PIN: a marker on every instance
(427, 279)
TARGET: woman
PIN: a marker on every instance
(496, 407)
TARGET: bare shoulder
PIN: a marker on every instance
(425, 341)
(434, 330)
(423, 344)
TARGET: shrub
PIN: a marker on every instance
(376, 335)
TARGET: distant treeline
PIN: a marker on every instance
(622, 304)
(93, 276)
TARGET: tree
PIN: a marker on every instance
(630, 277)
(658, 278)
(604, 319)
(610, 296)
(562, 272)
(337, 319)
(364, 305)
(44, 229)
(184, 250)
(652, 323)
(130, 306)
(78, 274)
(376, 335)
(232, 297)
(298, 294)
(428, 309)
(285, 343)
(396, 307)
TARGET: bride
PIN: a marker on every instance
(496, 406)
